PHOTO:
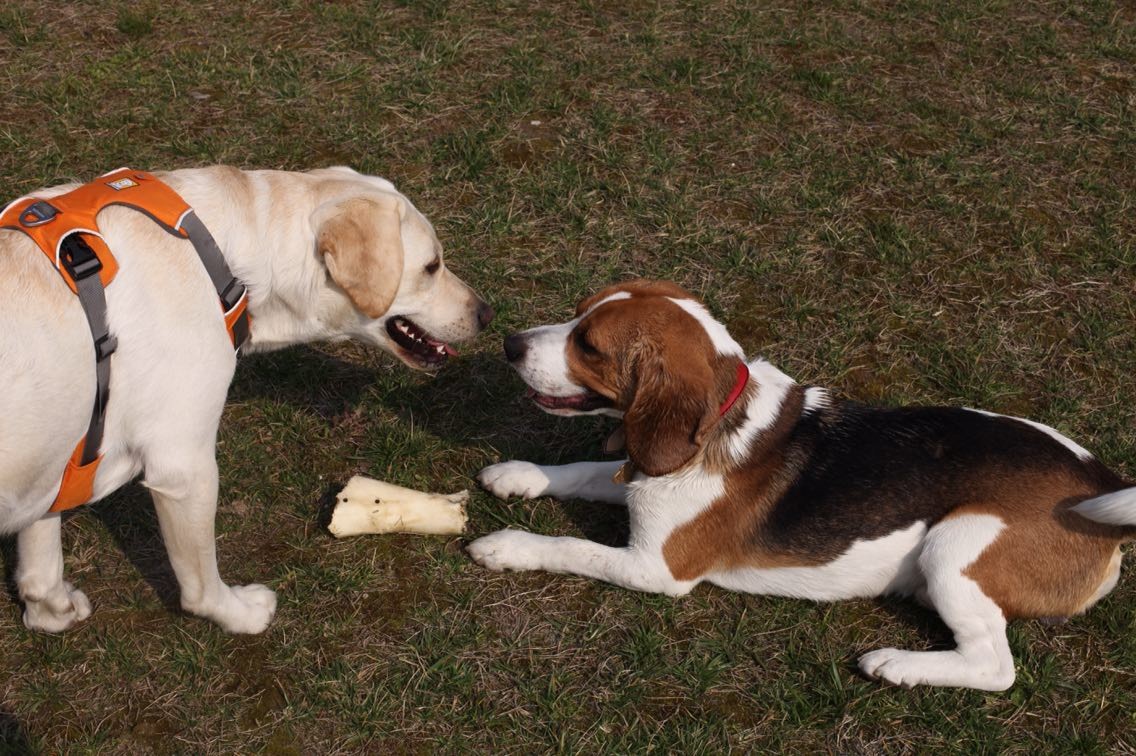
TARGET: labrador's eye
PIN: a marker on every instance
(432, 268)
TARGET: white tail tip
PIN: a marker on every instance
(1116, 508)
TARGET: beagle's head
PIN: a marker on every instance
(646, 351)
(385, 262)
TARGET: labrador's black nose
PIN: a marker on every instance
(515, 347)
(485, 314)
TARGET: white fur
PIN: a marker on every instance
(723, 342)
(816, 398)
(762, 410)
(174, 362)
(544, 366)
(611, 298)
(579, 480)
(1068, 443)
(51, 604)
(656, 507)
(982, 656)
(1116, 508)
(868, 568)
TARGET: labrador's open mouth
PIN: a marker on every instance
(583, 402)
(418, 345)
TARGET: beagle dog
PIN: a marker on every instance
(325, 255)
(739, 476)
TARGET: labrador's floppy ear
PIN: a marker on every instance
(360, 241)
(671, 410)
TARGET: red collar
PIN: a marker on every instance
(739, 386)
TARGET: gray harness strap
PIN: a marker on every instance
(84, 266)
(229, 289)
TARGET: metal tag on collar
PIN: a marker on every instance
(37, 214)
(625, 474)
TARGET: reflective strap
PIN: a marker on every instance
(229, 289)
(93, 298)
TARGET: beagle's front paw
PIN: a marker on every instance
(507, 550)
(514, 478)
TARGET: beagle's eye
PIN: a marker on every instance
(585, 344)
(432, 268)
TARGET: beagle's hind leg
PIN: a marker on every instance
(981, 658)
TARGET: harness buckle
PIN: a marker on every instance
(105, 346)
(232, 294)
(78, 258)
(37, 214)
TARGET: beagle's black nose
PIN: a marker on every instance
(484, 314)
(515, 347)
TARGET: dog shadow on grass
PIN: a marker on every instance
(13, 737)
(931, 633)
(8, 560)
(475, 400)
(129, 518)
(484, 405)
(302, 377)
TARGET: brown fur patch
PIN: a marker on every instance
(1048, 561)
(721, 537)
(655, 362)
(637, 287)
(629, 351)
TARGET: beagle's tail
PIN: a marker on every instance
(1116, 508)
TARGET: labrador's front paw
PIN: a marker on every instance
(57, 611)
(245, 609)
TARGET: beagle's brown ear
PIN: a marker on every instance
(360, 241)
(670, 413)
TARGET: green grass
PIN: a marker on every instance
(909, 202)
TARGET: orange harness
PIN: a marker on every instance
(67, 232)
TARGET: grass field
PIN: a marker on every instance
(917, 201)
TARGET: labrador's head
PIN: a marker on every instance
(384, 257)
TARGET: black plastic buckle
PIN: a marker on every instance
(232, 294)
(78, 258)
(37, 214)
(105, 346)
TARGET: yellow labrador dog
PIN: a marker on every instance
(325, 255)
